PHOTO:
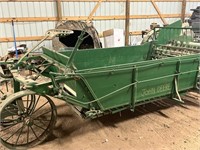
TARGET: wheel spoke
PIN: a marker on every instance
(27, 134)
(35, 105)
(27, 101)
(44, 113)
(37, 101)
(19, 134)
(8, 127)
(34, 123)
(39, 127)
(7, 86)
(4, 135)
(40, 107)
(1, 92)
(10, 111)
(14, 133)
(31, 106)
(41, 121)
(34, 132)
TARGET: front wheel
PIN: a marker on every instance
(26, 119)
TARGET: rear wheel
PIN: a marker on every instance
(26, 119)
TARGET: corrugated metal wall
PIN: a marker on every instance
(48, 9)
(23, 29)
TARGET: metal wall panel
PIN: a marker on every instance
(169, 7)
(27, 9)
(142, 8)
(191, 5)
(48, 9)
(77, 8)
(111, 9)
(25, 29)
(107, 24)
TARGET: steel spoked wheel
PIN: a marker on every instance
(26, 119)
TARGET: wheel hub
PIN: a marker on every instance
(28, 121)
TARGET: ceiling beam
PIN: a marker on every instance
(64, 18)
(97, 0)
(29, 38)
(94, 10)
(158, 11)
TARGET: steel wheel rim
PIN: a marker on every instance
(30, 126)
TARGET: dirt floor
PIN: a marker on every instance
(161, 125)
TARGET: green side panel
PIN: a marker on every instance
(55, 55)
(156, 70)
(158, 81)
(155, 81)
(155, 78)
(154, 89)
(108, 82)
(85, 59)
(83, 93)
(169, 33)
(189, 79)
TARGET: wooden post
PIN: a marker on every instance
(158, 11)
(127, 23)
(183, 10)
(59, 10)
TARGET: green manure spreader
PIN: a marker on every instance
(95, 82)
